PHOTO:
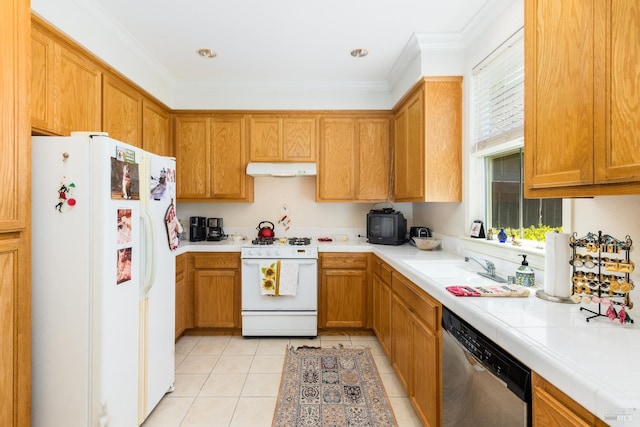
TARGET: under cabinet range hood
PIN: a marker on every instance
(281, 169)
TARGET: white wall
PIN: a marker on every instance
(298, 194)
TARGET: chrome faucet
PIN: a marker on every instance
(489, 267)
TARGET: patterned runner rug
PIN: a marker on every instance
(331, 387)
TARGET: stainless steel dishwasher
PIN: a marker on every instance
(482, 384)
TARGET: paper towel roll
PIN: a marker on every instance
(557, 271)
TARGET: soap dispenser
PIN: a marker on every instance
(524, 274)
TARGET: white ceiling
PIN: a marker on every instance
(285, 41)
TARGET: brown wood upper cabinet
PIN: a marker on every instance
(211, 158)
(282, 139)
(354, 159)
(428, 142)
(121, 110)
(66, 86)
(582, 107)
(156, 129)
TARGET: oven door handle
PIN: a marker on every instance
(247, 262)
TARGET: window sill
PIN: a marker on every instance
(506, 251)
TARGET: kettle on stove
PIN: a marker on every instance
(264, 230)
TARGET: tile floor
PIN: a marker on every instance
(233, 381)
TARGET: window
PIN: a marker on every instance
(506, 206)
(499, 138)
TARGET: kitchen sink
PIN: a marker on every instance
(458, 272)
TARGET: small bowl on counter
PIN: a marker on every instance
(425, 243)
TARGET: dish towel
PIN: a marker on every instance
(278, 278)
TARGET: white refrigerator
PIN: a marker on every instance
(103, 281)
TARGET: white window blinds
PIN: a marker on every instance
(499, 96)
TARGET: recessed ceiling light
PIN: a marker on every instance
(207, 53)
(359, 53)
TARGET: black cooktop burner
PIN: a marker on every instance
(263, 241)
(299, 241)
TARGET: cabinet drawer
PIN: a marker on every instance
(342, 260)
(417, 301)
(385, 273)
(219, 260)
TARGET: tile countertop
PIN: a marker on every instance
(595, 363)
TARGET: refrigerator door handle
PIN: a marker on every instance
(149, 253)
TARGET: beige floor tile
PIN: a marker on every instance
(328, 342)
(261, 385)
(364, 338)
(197, 364)
(188, 385)
(254, 412)
(241, 347)
(185, 344)
(223, 385)
(405, 414)
(210, 345)
(374, 346)
(309, 342)
(267, 364)
(233, 365)
(169, 413)
(383, 365)
(210, 412)
(272, 346)
(392, 386)
(178, 358)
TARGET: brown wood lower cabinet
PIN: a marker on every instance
(381, 301)
(344, 290)
(551, 407)
(216, 285)
(416, 346)
(183, 302)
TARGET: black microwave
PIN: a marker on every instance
(386, 227)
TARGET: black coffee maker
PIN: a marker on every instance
(198, 229)
(215, 232)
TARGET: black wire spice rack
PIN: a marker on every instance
(601, 268)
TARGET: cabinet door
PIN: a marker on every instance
(381, 302)
(373, 165)
(344, 298)
(400, 155)
(335, 180)
(78, 93)
(228, 179)
(15, 339)
(426, 374)
(42, 80)
(442, 179)
(401, 349)
(298, 139)
(121, 111)
(217, 298)
(156, 136)
(559, 88)
(409, 150)
(181, 294)
(265, 139)
(192, 134)
(617, 153)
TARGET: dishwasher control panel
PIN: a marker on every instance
(503, 365)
